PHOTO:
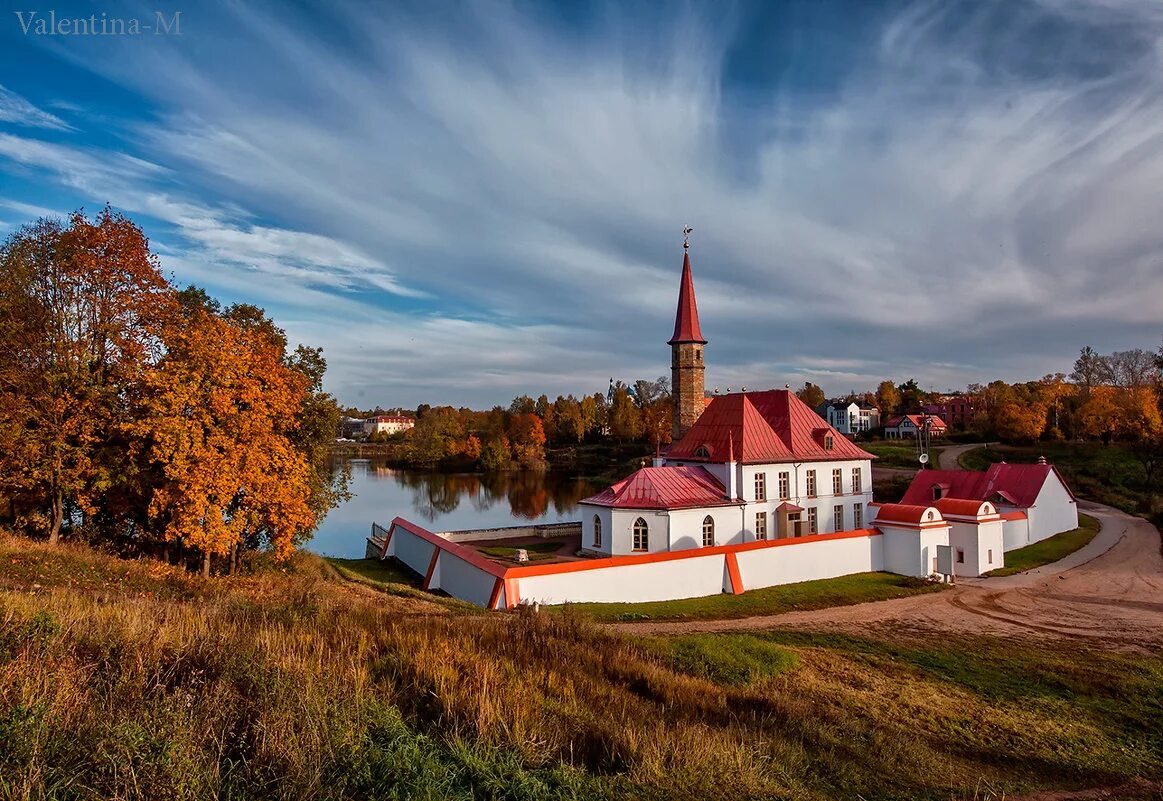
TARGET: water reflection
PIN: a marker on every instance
(529, 495)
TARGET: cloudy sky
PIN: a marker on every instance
(462, 202)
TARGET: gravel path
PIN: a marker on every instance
(1108, 593)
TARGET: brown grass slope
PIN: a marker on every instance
(130, 680)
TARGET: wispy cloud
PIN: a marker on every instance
(975, 196)
(15, 109)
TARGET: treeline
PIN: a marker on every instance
(148, 419)
(517, 437)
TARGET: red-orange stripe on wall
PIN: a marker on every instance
(733, 573)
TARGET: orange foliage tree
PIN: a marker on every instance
(219, 412)
(78, 311)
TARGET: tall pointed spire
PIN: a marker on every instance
(686, 349)
(686, 320)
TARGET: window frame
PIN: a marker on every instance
(597, 540)
(810, 481)
(785, 486)
(761, 486)
(857, 481)
(813, 521)
(838, 517)
(761, 530)
(837, 481)
(708, 528)
(640, 525)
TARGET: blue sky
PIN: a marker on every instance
(462, 202)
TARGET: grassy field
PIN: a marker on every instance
(1049, 550)
(897, 454)
(841, 591)
(134, 680)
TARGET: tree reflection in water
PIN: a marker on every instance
(528, 493)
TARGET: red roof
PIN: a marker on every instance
(762, 428)
(686, 320)
(1018, 484)
(664, 488)
(909, 514)
(917, 420)
(962, 507)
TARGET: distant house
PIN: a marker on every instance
(388, 424)
(1033, 499)
(850, 418)
(959, 412)
(907, 425)
(350, 426)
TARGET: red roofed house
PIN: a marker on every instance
(746, 466)
(1033, 499)
(907, 425)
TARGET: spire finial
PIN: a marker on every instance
(686, 236)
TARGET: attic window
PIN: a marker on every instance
(702, 453)
(827, 442)
(929, 515)
(937, 492)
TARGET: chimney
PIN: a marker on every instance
(1041, 460)
(732, 478)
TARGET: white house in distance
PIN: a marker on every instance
(388, 424)
(907, 425)
(1032, 499)
(851, 418)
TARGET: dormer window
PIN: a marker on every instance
(701, 452)
(827, 442)
(937, 492)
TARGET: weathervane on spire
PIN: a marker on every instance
(686, 234)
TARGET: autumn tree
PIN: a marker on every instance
(811, 394)
(437, 436)
(625, 418)
(78, 311)
(527, 440)
(888, 399)
(219, 414)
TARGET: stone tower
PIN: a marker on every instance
(686, 355)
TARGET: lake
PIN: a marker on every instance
(443, 502)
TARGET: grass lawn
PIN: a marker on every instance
(536, 550)
(376, 572)
(897, 454)
(1049, 550)
(842, 591)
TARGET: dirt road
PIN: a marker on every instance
(1109, 593)
(947, 458)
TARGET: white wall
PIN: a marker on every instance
(1053, 512)
(1016, 533)
(654, 581)
(622, 530)
(604, 514)
(686, 527)
(909, 551)
(976, 540)
(410, 549)
(462, 580)
(806, 561)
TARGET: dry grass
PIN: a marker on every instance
(134, 681)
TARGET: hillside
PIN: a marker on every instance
(133, 680)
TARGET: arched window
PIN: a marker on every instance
(597, 532)
(708, 531)
(641, 535)
(929, 515)
(702, 453)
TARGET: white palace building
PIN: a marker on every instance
(756, 490)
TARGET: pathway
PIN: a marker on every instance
(1108, 593)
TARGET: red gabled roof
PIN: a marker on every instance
(765, 427)
(1018, 484)
(917, 420)
(664, 488)
(686, 320)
